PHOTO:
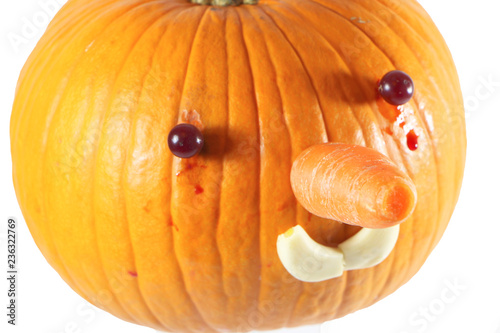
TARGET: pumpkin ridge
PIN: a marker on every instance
(33, 64)
(221, 179)
(50, 38)
(240, 275)
(298, 14)
(179, 10)
(296, 205)
(98, 146)
(29, 67)
(132, 133)
(304, 288)
(273, 77)
(109, 98)
(225, 144)
(347, 64)
(50, 244)
(254, 90)
(306, 71)
(181, 271)
(189, 299)
(43, 153)
(43, 177)
(198, 321)
(376, 114)
(115, 82)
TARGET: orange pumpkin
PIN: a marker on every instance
(189, 245)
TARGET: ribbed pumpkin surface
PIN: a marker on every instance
(190, 245)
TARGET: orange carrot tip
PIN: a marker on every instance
(352, 184)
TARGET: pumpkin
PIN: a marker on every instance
(189, 244)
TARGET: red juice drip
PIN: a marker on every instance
(396, 113)
(171, 223)
(198, 189)
(133, 274)
(412, 140)
(190, 166)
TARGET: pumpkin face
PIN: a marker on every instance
(189, 245)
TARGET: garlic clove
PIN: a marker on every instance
(369, 247)
(307, 260)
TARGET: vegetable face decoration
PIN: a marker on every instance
(320, 157)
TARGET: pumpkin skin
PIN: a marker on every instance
(189, 245)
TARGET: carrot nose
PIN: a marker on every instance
(352, 184)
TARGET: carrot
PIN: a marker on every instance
(352, 184)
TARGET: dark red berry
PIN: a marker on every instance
(185, 140)
(396, 87)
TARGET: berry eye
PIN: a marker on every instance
(396, 88)
(185, 140)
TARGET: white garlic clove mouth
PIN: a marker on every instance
(309, 261)
(369, 247)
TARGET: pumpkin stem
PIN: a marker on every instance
(223, 3)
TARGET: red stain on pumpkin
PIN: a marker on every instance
(171, 224)
(198, 189)
(411, 136)
(132, 274)
(190, 166)
(412, 140)
(147, 208)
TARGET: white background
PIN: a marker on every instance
(468, 254)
